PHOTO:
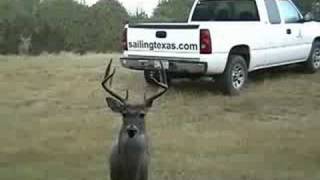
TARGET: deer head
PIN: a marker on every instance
(133, 114)
(25, 40)
(25, 44)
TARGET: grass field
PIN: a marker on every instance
(54, 124)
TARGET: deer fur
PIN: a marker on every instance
(129, 158)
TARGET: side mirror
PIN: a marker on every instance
(308, 17)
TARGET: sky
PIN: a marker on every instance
(132, 5)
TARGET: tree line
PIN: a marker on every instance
(35, 26)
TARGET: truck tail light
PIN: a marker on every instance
(124, 41)
(205, 42)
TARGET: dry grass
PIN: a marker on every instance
(55, 124)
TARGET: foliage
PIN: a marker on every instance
(16, 19)
(107, 19)
(57, 25)
(307, 4)
(139, 17)
(172, 10)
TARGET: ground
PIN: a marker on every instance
(55, 125)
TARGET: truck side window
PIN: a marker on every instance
(289, 12)
(273, 12)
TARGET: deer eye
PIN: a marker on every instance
(142, 115)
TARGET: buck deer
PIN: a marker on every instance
(25, 45)
(130, 154)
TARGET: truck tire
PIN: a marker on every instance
(312, 65)
(235, 76)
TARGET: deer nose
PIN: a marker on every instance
(132, 131)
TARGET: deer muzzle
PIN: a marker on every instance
(132, 130)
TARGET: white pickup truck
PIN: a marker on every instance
(225, 39)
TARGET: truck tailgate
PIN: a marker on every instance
(169, 40)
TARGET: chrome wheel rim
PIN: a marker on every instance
(316, 58)
(238, 76)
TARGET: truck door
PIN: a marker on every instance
(273, 34)
(295, 48)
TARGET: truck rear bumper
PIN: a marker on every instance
(176, 65)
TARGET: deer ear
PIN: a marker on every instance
(115, 105)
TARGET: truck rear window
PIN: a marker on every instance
(226, 10)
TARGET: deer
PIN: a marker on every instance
(129, 159)
(25, 45)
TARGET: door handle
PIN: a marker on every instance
(161, 34)
(289, 31)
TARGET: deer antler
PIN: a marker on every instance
(108, 78)
(162, 84)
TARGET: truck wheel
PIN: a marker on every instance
(312, 65)
(235, 76)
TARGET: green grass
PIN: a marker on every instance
(54, 124)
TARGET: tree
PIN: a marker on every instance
(17, 19)
(172, 10)
(139, 17)
(57, 25)
(61, 23)
(306, 4)
(107, 20)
